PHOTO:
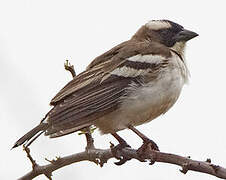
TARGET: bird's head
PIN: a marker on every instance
(165, 32)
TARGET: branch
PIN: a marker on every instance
(70, 68)
(100, 156)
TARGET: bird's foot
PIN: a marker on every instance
(118, 154)
(147, 145)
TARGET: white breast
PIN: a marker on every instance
(150, 100)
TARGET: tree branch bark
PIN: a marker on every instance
(100, 156)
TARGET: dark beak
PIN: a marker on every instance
(185, 35)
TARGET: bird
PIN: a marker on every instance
(129, 85)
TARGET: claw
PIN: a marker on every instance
(154, 146)
(145, 139)
(146, 146)
(116, 153)
(122, 161)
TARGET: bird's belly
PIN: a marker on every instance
(143, 105)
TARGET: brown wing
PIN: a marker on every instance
(89, 103)
(107, 62)
(94, 92)
(96, 69)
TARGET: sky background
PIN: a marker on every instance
(36, 37)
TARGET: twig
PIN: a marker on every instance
(87, 131)
(35, 166)
(70, 68)
(27, 150)
(89, 140)
(100, 156)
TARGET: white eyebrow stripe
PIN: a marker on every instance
(158, 24)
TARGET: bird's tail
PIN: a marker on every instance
(31, 135)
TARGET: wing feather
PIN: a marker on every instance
(86, 107)
(99, 90)
(107, 62)
(83, 104)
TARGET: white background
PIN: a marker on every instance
(37, 36)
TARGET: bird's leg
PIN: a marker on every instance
(116, 149)
(146, 146)
(146, 140)
(121, 141)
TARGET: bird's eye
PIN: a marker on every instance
(166, 36)
(164, 32)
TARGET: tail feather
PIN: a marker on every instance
(41, 127)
